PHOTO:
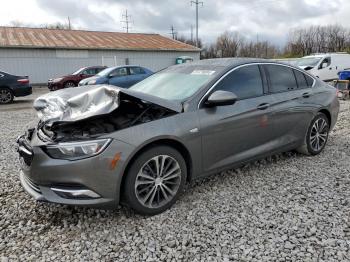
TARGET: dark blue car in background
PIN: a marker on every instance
(122, 76)
(13, 86)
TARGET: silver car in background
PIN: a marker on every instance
(103, 145)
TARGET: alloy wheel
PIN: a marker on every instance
(319, 134)
(158, 181)
(69, 84)
(5, 96)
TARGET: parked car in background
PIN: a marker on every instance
(13, 86)
(74, 78)
(185, 122)
(325, 66)
(122, 76)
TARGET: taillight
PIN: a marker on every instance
(23, 81)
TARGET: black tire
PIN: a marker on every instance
(69, 84)
(309, 148)
(135, 190)
(6, 95)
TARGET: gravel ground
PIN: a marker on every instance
(285, 208)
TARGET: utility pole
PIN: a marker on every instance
(126, 20)
(257, 46)
(173, 33)
(191, 33)
(69, 25)
(197, 3)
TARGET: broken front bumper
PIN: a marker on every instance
(92, 182)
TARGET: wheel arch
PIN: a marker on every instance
(327, 114)
(7, 87)
(174, 143)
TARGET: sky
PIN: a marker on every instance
(263, 19)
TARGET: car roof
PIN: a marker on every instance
(99, 66)
(227, 62)
(115, 67)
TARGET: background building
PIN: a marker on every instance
(46, 53)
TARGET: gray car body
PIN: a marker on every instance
(210, 139)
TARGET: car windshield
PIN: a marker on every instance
(309, 61)
(176, 83)
(106, 71)
(78, 71)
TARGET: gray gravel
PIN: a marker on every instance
(285, 208)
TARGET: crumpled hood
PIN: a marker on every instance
(73, 104)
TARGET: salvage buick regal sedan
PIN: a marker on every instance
(99, 146)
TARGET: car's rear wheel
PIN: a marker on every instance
(317, 136)
(6, 95)
(155, 180)
(69, 84)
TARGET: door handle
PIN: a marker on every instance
(263, 106)
(306, 95)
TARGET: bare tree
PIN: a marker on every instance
(229, 43)
(317, 39)
(183, 39)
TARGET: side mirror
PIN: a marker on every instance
(221, 98)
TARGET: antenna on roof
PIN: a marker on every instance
(127, 21)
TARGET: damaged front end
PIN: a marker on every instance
(88, 112)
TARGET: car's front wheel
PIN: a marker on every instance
(69, 84)
(6, 95)
(317, 136)
(155, 180)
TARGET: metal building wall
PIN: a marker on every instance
(42, 64)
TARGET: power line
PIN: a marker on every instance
(197, 3)
(127, 21)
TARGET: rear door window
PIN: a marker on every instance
(119, 72)
(301, 79)
(281, 78)
(310, 81)
(136, 71)
(245, 82)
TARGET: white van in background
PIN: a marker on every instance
(325, 66)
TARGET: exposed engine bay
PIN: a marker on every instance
(127, 111)
(130, 113)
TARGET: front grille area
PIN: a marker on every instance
(32, 184)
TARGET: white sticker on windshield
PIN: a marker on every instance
(203, 72)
